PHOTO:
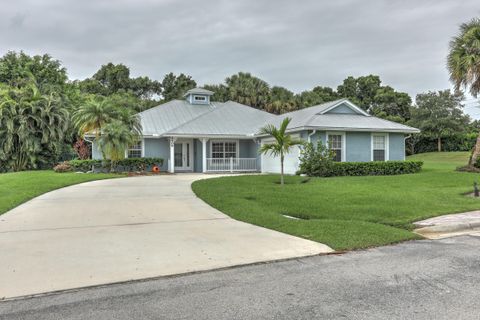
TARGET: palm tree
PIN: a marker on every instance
(282, 145)
(463, 63)
(247, 89)
(93, 115)
(130, 119)
(32, 127)
(115, 138)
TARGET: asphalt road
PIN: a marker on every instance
(416, 280)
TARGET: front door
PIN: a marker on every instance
(183, 155)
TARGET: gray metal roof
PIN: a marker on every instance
(180, 118)
(199, 91)
(317, 117)
(226, 119)
(356, 122)
(160, 119)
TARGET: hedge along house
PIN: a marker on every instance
(199, 135)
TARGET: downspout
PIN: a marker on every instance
(310, 135)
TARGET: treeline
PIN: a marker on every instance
(43, 114)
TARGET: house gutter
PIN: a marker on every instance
(310, 135)
(348, 129)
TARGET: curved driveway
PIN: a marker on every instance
(124, 229)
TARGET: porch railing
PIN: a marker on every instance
(231, 164)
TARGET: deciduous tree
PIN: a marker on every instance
(174, 87)
(439, 114)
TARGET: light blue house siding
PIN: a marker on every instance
(319, 135)
(358, 148)
(343, 109)
(158, 148)
(197, 156)
(397, 146)
(247, 149)
(359, 144)
(153, 148)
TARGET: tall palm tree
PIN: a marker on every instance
(463, 64)
(282, 145)
(115, 138)
(247, 89)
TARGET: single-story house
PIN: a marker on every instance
(199, 135)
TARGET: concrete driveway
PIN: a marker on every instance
(421, 280)
(123, 229)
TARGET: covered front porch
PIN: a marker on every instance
(213, 154)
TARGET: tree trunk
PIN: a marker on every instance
(439, 144)
(281, 169)
(476, 152)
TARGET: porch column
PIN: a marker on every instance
(204, 154)
(171, 168)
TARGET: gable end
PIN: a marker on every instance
(344, 107)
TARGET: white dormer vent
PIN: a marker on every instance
(198, 96)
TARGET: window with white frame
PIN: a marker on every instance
(200, 98)
(135, 150)
(224, 149)
(335, 143)
(379, 146)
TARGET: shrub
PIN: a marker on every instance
(318, 162)
(375, 168)
(128, 164)
(85, 165)
(63, 167)
(139, 164)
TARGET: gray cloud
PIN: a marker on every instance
(294, 44)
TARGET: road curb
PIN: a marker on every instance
(453, 227)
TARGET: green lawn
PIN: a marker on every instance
(18, 187)
(347, 212)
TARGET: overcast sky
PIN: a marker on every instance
(296, 44)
